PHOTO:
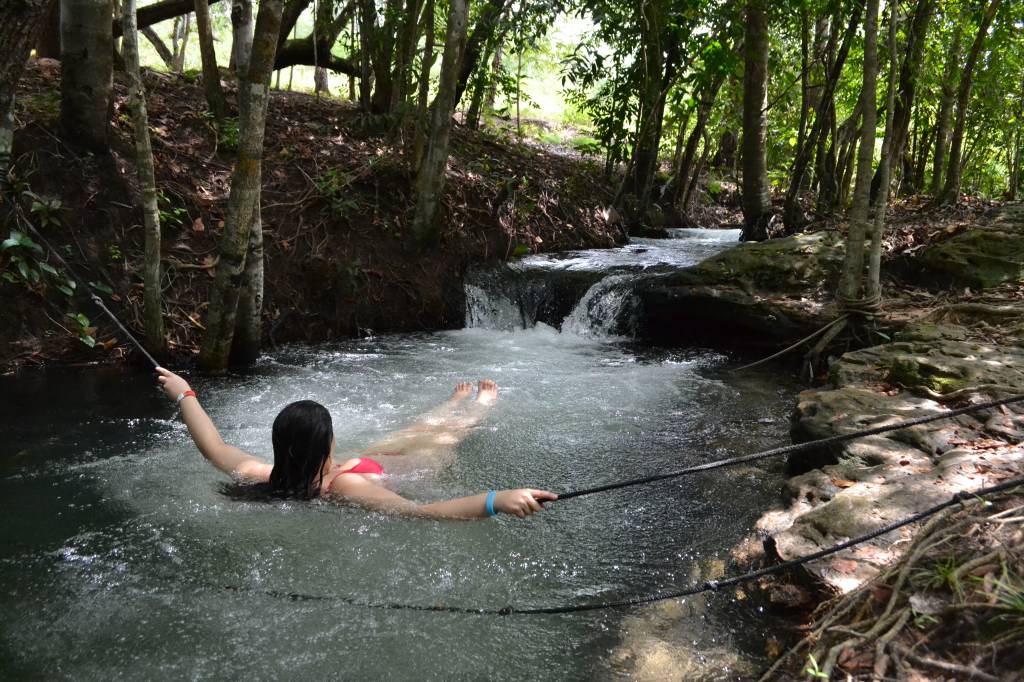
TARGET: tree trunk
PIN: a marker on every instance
(245, 183)
(383, 48)
(20, 27)
(245, 346)
(492, 86)
(707, 101)
(409, 35)
(792, 215)
(86, 81)
(757, 205)
(431, 175)
(951, 189)
(179, 42)
(873, 287)
(160, 46)
(367, 19)
(483, 32)
(945, 117)
(241, 37)
(422, 96)
(851, 286)
(655, 80)
(211, 74)
(47, 42)
(904, 104)
(480, 85)
(152, 307)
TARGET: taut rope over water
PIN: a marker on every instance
(84, 284)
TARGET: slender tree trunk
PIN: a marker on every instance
(492, 86)
(383, 48)
(479, 89)
(945, 116)
(431, 176)
(152, 307)
(691, 188)
(757, 205)
(648, 138)
(404, 55)
(241, 38)
(367, 27)
(792, 212)
(245, 182)
(951, 189)
(911, 66)
(179, 41)
(707, 102)
(422, 96)
(851, 286)
(483, 31)
(20, 27)
(160, 46)
(873, 286)
(87, 69)
(211, 74)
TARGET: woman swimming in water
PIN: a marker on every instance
(304, 466)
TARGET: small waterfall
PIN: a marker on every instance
(604, 310)
(492, 310)
(589, 294)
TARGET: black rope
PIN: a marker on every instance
(85, 286)
(706, 586)
(789, 449)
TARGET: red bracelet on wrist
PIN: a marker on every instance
(186, 394)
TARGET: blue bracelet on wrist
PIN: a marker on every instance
(490, 503)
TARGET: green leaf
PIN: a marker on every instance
(101, 287)
(22, 268)
(521, 250)
(64, 290)
(87, 340)
(12, 241)
(49, 269)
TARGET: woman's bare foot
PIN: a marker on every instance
(463, 389)
(487, 392)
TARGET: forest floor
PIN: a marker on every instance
(337, 198)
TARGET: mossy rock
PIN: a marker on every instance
(977, 258)
(802, 262)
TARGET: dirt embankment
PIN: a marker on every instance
(337, 197)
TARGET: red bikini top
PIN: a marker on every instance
(365, 465)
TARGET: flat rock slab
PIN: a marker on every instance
(864, 484)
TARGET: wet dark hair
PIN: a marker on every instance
(302, 438)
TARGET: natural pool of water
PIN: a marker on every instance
(121, 556)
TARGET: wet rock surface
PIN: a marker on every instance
(864, 484)
(757, 294)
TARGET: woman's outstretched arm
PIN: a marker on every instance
(227, 458)
(521, 502)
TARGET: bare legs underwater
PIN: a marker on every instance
(436, 433)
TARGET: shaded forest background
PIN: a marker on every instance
(802, 114)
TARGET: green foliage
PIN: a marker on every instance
(812, 668)
(84, 329)
(586, 144)
(334, 186)
(21, 261)
(170, 215)
(228, 135)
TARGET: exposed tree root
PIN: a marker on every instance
(953, 605)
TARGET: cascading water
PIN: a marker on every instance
(585, 293)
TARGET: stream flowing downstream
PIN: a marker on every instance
(124, 556)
